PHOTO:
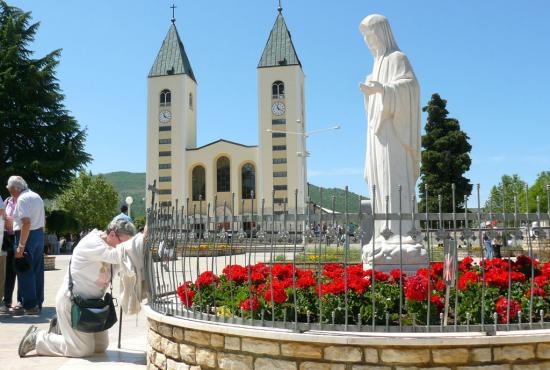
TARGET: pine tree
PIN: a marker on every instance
(445, 159)
(501, 198)
(39, 139)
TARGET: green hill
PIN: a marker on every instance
(133, 184)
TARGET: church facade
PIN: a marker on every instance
(231, 177)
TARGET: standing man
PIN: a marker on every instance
(28, 224)
(8, 247)
(123, 215)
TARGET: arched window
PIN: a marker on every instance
(248, 180)
(191, 101)
(165, 98)
(278, 90)
(199, 183)
(223, 175)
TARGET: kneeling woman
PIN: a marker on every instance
(90, 268)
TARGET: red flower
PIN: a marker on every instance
(395, 273)
(186, 294)
(260, 268)
(333, 270)
(466, 263)
(436, 270)
(518, 276)
(356, 271)
(416, 288)
(540, 281)
(336, 287)
(439, 302)
(536, 292)
(235, 273)
(250, 305)
(279, 294)
(306, 279)
(546, 269)
(379, 276)
(440, 285)
(501, 306)
(359, 284)
(497, 278)
(467, 278)
(205, 279)
(282, 272)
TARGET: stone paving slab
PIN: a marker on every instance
(131, 356)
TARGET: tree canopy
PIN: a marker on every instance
(91, 200)
(39, 139)
(445, 159)
(514, 185)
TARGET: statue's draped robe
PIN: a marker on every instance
(393, 138)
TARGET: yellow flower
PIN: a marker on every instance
(223, 311)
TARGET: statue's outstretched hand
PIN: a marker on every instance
(371, 87)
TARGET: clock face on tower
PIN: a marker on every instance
(165, 116)
(278, 108)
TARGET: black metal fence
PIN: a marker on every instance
(486, 271)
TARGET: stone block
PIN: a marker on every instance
(259, 346)
(160, 361)
(216, 340)
(233, 343)
(321, 366)
(177, 334)
(480, 355)
(172, 349)
(450, 356)
(301, 350)
(485, 367)
(229, 361)
(174, 365)
(197, 337)
(406, 368)
(435, 368)
(164, 330)
(343, 353)
(371, 355)
(152, 324)
(543, 366)
(370, 367)
(543, 350)
(271, 364)
(405, 356)
(187, 354)
(514, 353)
(154, 340)
(205, 357)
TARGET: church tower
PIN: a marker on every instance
(171, 119)
(282, 148)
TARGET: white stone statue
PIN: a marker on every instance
(392, 103)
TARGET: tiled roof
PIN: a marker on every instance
(279, 50)
(172, 59)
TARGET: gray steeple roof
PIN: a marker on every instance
(172, 59)
(279, 50)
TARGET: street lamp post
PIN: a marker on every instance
(129, 201)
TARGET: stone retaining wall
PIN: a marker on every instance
(177, 347)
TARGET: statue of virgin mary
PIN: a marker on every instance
(392, 164)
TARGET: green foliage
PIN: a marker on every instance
(61, 222)
(41, 141)
(91, 200)
(445, 159)
(540, 189)
(502, 195)
(129, 184)
(139, 222)
(339, 198)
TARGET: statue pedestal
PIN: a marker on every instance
(387, 254)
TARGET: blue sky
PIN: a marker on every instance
(489, 59)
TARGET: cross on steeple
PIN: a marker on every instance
(280, 8)
(173, 12)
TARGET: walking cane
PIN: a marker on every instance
(119, 327)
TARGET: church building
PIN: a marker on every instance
(273, 170)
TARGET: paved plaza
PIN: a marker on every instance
(131, 356)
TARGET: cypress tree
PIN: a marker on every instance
(445, 159)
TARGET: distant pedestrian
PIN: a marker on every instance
(488, 247)
(28, 225)
(123, 215)
(8, 246)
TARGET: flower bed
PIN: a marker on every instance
(280, 291)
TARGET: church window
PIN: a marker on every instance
(165, 154)
(165, 98)
(278, 122)
(279, 160)
(165, 191)
(248, 178)
(165, 178)
(191, 101)
(279, 200)
(165, 128)
(279, 147)
(165, 141)
(223, 175)
(278, 90)
(199, 183)
(278, 134)
(165, 166)
(279, 174)
(279, 187)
